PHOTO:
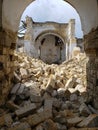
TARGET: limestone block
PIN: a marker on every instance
(39, 127)
(17, 78)
(26, 110)
(83, 128)
(48, 105)
(70, 83)
(51, 82)
(80, 88)
(54, 93)
(61, 92)
(40, 109)
(90, 121)
(21, 126)
(49, 125)
(6, 120)
(46, 96)
(35, 98)
(21, 89)
(84, 110)
(57, 103)
(73, 121)
(38, 118)
(23, 73)
(59, 84)
(12, 106)
(61, 126)
(60, 119)
(73, 97)
(68, 113)
(15, 88)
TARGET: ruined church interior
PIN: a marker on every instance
(48, 76)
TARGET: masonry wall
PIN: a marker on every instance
(0, 14)
(50, 52)
(91, 48)
(66, 32)
(7, 64)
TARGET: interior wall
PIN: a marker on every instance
(88, 12)
(87, 9)
(12, 12)
(0, 14)
(50, 51)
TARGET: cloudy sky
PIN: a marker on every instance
(53, 10)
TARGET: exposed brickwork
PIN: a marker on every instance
(1, 15)
(91, 40)
(7, 59)
(91, 48)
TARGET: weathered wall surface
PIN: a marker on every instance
(50, 27)
(91, 48)
(49, 31)
(7, 66)
(88, 11)
(1, 14)
(13, 10)
(49, 51)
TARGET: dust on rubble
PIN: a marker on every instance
(48, 97)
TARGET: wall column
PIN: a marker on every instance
(7, 63)
(91, 49)
(1, 1)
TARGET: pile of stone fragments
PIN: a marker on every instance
(48, 97)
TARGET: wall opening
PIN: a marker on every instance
(41, 12)
(51, 49)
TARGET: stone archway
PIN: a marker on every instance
(12, 11)
(51, 48)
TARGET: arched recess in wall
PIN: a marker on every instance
(48, 16)
(49, 32)
(51, 48)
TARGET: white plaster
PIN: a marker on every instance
(87, 9)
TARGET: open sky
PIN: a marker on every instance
(55, 11)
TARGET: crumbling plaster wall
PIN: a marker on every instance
(66, 32)
(49, 52)
(38, 29)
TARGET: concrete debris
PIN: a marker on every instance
(48, 97)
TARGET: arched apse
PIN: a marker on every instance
(51, 48)
(55, 11)
(43, 34)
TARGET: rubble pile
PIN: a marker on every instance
(48, 97)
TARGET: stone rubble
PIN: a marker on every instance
(48, 97)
